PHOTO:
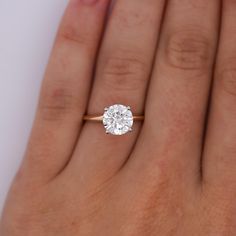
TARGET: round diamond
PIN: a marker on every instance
(118, 119)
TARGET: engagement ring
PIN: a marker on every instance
(117, 119)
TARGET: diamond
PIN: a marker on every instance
(118, 119)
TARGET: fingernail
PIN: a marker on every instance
(89, 1)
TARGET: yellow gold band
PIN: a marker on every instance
(100, 118)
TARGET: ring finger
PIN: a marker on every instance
(122, 75)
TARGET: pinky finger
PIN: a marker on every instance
(65, 89)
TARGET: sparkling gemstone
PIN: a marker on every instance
(118, 119)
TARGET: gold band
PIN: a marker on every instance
(100, 118)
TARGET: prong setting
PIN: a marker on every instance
(118, 119)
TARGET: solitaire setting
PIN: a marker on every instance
(118, 119)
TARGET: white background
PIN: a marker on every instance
(27, 31)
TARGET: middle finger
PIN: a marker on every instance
(179, 91)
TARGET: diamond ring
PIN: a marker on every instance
(117, 119)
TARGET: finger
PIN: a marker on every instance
(65, 88)
(122, 76)
(179, 88)
(219, 166)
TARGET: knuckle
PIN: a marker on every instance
(124, 72)
(71, 35)
(227, 77)
(57, 103)
(188, 50)
(128, 19)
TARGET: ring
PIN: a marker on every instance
(117, 119)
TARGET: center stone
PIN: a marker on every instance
(118, 119)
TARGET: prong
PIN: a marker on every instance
(130, 129)
(106, 109)
(107, 132)
(128, 107)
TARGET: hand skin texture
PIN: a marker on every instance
(175, 174)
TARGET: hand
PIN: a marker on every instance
(175, 174)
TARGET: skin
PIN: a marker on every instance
(175, 174)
